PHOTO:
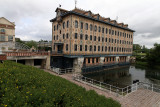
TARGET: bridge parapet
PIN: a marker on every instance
(26, 53)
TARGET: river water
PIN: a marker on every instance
(125, 76)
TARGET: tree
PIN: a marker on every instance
(31, 43)
(153, 57)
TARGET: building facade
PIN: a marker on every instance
(7, 30)
(86, 40)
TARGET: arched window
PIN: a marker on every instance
(67, 23)
(99, 29)
(57, 26)
(86, 26)
(54, 27)
(63, 25)
(76, 24)
(95, 28)
(106, 30)
(91, 27)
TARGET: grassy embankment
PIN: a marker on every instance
(27, 86)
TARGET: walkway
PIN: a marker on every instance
(139, 98)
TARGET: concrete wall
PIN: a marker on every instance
(77, 64)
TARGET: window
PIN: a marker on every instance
(90, 48)
(2, 37)
(106, 39)
(131, 36)
(86, 37)
(60, 31)
(98, 38)
(115, 32)
(106, 30)
(54, 37)
(92, 60)
(109, 40)
(85, 47)
(120, 41)
(125, 34)
(75, 36)
(102, 39)
(63, 25)
(94, 38)
(102, 48)
(115, 40)
(112, 32)
(54, 27)
(81, 25)
(67, 36)
(97, 60)
(68, 24)
(102, 30)
(109, 49)
(75, 47)
(118, 33)
(88, 60)
(109, 31)
(99, 29)
(80, 47)
(76, 24)
(94, 48)
(90, 37)
(112, 40)
(57, 37)
(95, 28)
(66, 47)
(63, 36)
(117, 49)
(81, 36)
(106, 48)
(91, 27)
(86, 26)
(114, 49)
(57, 26)
(98, 48)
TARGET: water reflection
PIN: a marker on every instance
(125, 76)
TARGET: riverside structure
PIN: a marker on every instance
(88, 42)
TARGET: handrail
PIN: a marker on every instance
(114, 89)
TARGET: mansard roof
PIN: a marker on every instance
(92, 16)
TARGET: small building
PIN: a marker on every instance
(84, 40)
(7, 30)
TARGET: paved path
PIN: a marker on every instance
(139, 98)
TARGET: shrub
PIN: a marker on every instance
(27, 86)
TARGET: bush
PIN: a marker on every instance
(27, 86)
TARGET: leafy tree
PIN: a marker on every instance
(153, 57)
(31, 43)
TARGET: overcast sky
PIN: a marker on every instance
(32, 16)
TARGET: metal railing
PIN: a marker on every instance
(62, 71)
(114, 89)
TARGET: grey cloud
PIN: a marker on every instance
(32, 16)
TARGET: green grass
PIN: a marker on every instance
(26, 86)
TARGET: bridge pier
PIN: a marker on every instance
(29, 62)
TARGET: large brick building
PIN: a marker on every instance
(86, 40)
(7, 30)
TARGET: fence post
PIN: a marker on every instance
(85, 79)
(122, 91)
(152, 87)
(127, 89)
(136, 86)
(110, 89)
